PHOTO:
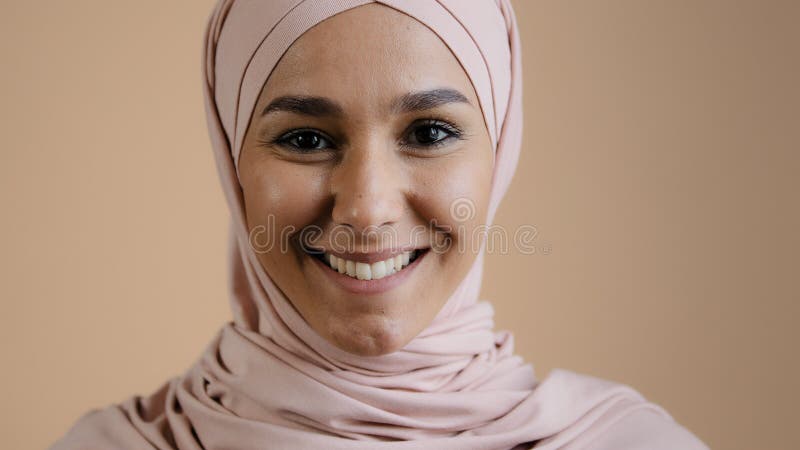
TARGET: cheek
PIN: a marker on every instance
(292, 195)
(280, 199)
(459, 199)
(458, 203)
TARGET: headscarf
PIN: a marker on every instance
(269, 381)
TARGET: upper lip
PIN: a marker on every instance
(372, 257)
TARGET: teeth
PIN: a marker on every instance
(373, 271)
(363, 271)
(341, 265)
(389, 266)
(378, 270)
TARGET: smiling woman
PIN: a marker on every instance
(361, 153)
(351, 132)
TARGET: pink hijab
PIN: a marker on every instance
(267, 380)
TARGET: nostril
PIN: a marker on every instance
(362, 210)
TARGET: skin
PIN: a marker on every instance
(370, 168)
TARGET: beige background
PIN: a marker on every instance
(660, 169)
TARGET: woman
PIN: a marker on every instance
(350, 136)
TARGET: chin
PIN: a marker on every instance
(369, 336)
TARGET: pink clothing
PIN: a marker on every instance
(268, 380)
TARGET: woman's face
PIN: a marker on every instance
(369, 134)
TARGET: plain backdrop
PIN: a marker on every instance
(660, 170)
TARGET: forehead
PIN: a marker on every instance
(371, 52)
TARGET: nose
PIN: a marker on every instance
(367, 188)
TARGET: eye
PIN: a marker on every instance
(432, 133)
(304, 141)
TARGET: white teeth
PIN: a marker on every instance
(378, 270)
(341, 265)
(389, 266)
(366, 271)
(363, 271)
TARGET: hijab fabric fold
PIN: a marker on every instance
(269, 381)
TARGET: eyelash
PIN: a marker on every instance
(453, 132)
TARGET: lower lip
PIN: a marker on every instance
(367, 287)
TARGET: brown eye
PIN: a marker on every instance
(429, 135)
(304, 141)
(432, 133)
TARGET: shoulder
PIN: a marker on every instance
(646, 429)
(138, 423)
(106, 428)
(608, 415)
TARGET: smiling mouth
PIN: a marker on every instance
(368, 270)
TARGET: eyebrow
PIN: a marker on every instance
(322, 106)
(420, 101)
(309, 106)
